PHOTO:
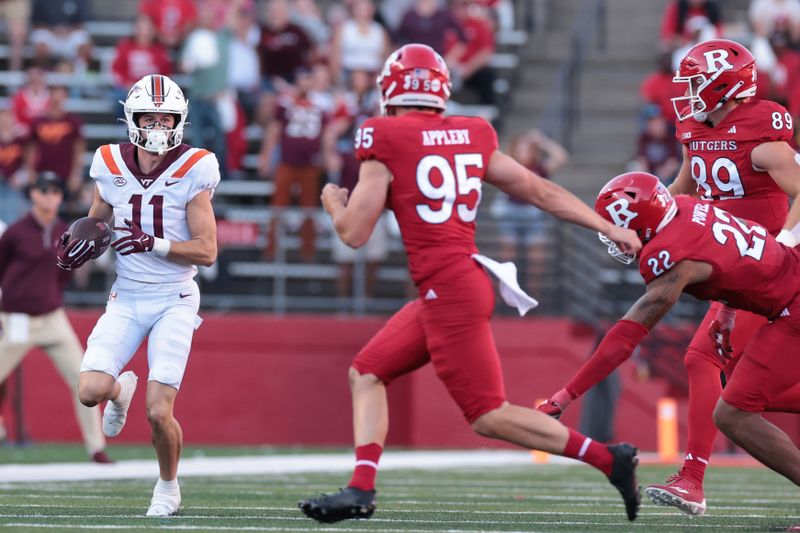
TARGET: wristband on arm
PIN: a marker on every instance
(161, 246)
(615, 348)
(786, 238)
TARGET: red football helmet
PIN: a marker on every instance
(414, 75)
(637, 201)
(715, 71)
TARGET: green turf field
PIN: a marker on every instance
(537, 498)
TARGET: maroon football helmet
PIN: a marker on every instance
(637, 201)
(715, 71)
(414, 75)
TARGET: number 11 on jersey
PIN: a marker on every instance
(157, 201)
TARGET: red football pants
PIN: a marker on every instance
(769, 370)
(703, 366)
(449, 327)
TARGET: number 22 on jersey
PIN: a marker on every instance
(453, 190)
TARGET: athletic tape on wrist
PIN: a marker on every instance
(161, 246)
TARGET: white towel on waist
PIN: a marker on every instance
(510, 291)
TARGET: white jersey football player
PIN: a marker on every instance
(157, 191)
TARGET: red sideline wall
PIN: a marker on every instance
(261, 379)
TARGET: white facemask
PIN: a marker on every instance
(156, 141)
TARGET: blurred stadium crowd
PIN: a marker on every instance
(276, 90)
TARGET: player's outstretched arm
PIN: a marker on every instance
(783, 164)
(355, 217)
(516, 180)
(620, 341)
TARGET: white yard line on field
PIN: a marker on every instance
(278, 464)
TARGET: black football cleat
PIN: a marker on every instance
(623, 477)
(345, 504)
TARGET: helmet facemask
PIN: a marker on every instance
(697, 106)
(158, 140)
(698, 109)
(615, 252)
(158, 95)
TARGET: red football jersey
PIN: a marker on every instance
(752, 271)
(438, 165)
(721, 165)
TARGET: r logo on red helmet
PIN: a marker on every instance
(619, 212)
(717, 60)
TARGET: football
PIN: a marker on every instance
(92, 229)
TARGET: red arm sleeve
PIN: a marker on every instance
(615, 348)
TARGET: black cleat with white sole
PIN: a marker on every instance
(346, 504)
(623, 477)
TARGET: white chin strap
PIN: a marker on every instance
(156, 141)
(703, 115)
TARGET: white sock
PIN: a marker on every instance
(167, 486)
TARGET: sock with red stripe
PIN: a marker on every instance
(584, 449)
(366, 470)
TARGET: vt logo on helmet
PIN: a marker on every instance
(155, 94)
(714, 72)
(637, 201)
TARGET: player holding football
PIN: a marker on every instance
(737, 157)
(692, 246)
(158, 193)
(429, 169)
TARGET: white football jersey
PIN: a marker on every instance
(155, 201)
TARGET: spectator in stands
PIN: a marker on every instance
(137, 56)
(321, 92)
(59, 31)
(391, 12)
(784, 77)
(471, 68)
(360, 102)
(658, 89)
(307, 15)
(283, 49)
(523, 236)
(31, 310)
(697, 29)
(205, 56)
(284, 46)
(428, 23)
(174, 19)
(16, 13)
(674, 29)
(12, 175)
(359, 43)
(767, 15)
(32, 99)
(56, 143)
(657, 152)
(297, 128)
(244, 72)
